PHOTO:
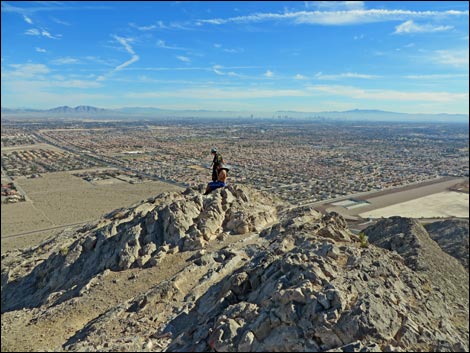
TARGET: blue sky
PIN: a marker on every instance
(251, 56)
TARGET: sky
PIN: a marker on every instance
(310, 56)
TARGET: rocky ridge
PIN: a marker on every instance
(452, 237)
(125, 238)
(249, 275)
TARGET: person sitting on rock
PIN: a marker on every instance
(222, 171)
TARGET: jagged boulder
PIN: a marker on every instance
(294, 280)
(320, 293)
(135, 237)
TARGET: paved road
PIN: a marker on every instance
(381, 200)
(375, 193)
(107, 161)
(43, 230)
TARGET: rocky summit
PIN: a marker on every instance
(235, 270)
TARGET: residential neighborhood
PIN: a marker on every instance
(297, 160)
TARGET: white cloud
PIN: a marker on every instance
(42, 32)
(37, 78)
(300, 77)
(216, 69)
(98, 60)
(390, 95)
(144, 28)
(183, 59)
(48, 6)
(125, 43)
(193, 68)
(269, 73)
(457, 58)
(26, 70)
(335, 18)
(40, 97)
(321, 76)
(127, 63)
(75, 84)
(65, 61)
(411, 27)
(56, 20)
(41, 50)
(159, 25)
(27, 19)
(233, 50)
(436, 76)
(47, 34)
(162, 44)
(335, 5)
(175, 25)
(162, 25)
(215, 93)
(32, 32)
(229, 50)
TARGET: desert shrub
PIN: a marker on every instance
(363, 240)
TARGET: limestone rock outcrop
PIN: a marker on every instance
(255, 276)
(452, 237)
(313, 289)
(134, 237)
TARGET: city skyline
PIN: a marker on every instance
(304, 56)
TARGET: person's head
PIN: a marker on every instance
(213, 150)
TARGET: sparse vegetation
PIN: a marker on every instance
(363, 240)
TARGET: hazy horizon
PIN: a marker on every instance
(228, 110)
(407, 57)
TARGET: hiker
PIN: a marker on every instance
(218, 159)
(221, 171)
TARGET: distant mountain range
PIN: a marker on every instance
(78, 109)
(89, 112)
(58, 110)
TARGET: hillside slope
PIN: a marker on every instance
(232, 271)
(452, 237)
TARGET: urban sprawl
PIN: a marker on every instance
(297, 160)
